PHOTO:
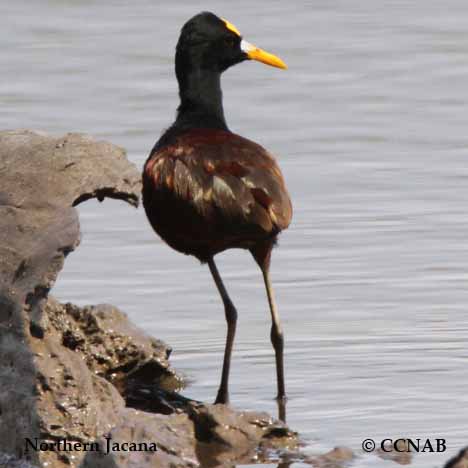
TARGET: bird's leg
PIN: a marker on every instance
(277, 341)
(231, 319)
(262, 255)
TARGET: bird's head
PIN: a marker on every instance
(212, 43)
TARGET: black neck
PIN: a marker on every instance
(201, 99)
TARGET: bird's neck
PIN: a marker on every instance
(201, 100)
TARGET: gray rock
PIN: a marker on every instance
(9, 461)
(41, 180)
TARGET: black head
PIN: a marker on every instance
(212, 43)
(206, 42)
(207, 46)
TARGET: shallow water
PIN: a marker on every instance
(370, 127)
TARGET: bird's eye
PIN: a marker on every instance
(230, 41)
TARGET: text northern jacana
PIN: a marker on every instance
(206, 189)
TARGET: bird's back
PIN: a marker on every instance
(207, 190)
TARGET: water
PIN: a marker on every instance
(370, 127)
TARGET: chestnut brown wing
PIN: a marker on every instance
(228, 184)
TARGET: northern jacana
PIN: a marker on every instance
(206, 189)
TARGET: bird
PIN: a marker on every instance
(207, 189)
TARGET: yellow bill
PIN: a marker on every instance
(255, 53)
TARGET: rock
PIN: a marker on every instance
(205, 435)
(460, 460)
(399, 452)
(112, 347)
(42, 179)
(72, 375)
(339, 457)
(9, 461)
